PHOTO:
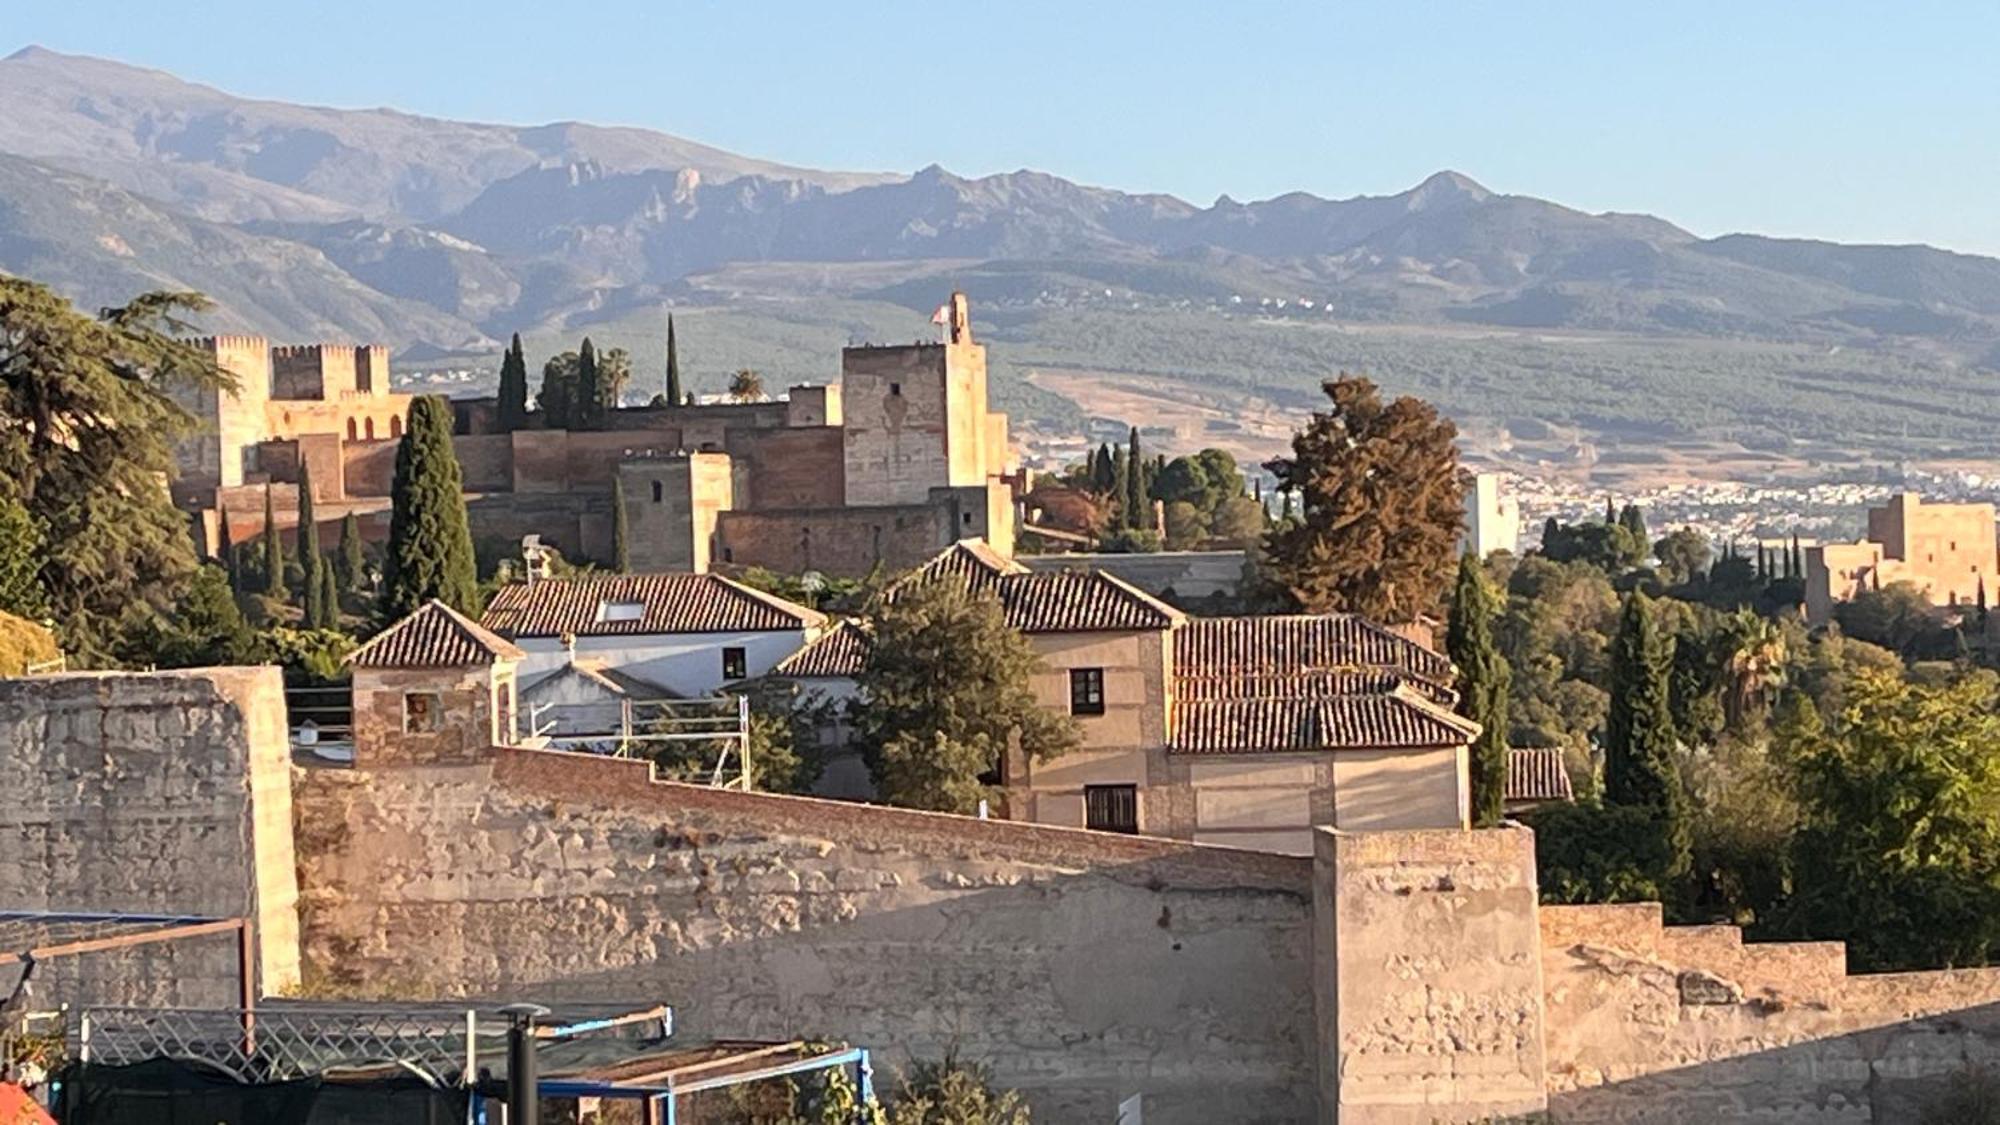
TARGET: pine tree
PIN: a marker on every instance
(1639, 728)
(274, 551)
(353, 560)
(309, 556)
(588, 410)
(225, 549)
(1137, 512)
(513, 404)
(621, 546)
(674, 393)
(1484, 680)
(430, 544)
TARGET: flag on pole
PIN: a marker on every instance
(942, 316)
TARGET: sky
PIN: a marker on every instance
(1847, 121)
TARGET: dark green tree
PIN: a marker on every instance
(21, 548)
(1639, 728)
(1797, 561)
(207, 628)
(621, 545)
(90, 416)
(1484, 682)
(1383, 507)
(587, 412)
(225, 549)
(274, 551)
(948, 685)
(675, 394)
(1683, 555)
(326, 606)
(1138, 512)
(308, 543)
(513, 404)
(430, 544)
(353, 558)
(1103, 475)
(1634, 521)
(559, 390)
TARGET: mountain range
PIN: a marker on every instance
(440, 237)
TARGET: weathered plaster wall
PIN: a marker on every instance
(1429, 977)
(1686, 1023)
(1085, 967)
(152, 793)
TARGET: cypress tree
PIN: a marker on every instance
(329, 597)
(1633, 520)
(674, 393)
(274, 551)
(588, 410)
(1135, 483)
(1798, 561)
(225, 546)
(309, 556)
(1483, 683)
(353, 563)
(1102, 476)
(1610, 512)
(513, 405)
(430, 544)
(1118, 472)
(1639, 728)
(621, 546)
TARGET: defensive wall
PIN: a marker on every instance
(1394, 977)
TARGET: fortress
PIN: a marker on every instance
(898, 460)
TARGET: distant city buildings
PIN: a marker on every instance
(1946, 550)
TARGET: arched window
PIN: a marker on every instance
(353, 431)
(370, 428)
(395, 426)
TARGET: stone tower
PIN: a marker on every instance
(915, 416)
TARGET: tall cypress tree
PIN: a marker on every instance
(1118, 471)
(309, 556)
(274, 551)
(1483, 683)
(1639, 729)
(621, 546)
(675, 395)
(1798, 560)
(1136, 508)
(327, 604)
(513, 405)
(1633, 520)
(430, 543)
(353, 562)
(1610, 512)
(225, 546)
(589, 406)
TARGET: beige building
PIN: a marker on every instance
(1492, 517)
(1945, 550)
(1245, 731)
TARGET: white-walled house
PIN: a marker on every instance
(689, 635)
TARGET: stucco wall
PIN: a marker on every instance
(1084, 967)
(689, 664)
(151, 793)
(1686, 1023)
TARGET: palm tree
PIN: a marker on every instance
(1753, 664)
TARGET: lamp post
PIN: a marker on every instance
(523, 1104)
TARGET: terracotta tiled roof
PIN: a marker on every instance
(1311, 683)
(969, 559)
(1537, 774)
(668, 603)
(1290, 644)
(1056, 601)
(1401, 719)
(435, 636)
(838, 653)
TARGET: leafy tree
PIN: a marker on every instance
(1587, 852)
(1899, 850)
(952, 1091)
(1609, 546)
(948, 685)
(621, 545)
(309, 554)
(89, 418)
(512, 406)
(1634, 522)
(430, 545)
(1129, 541)
(746, 386)
(1239, 521)
(353, 562)
(558, 397)
(274, 551)
(1639, 730)
(674, 393)
(1484, 681)
(21, 552)
(587, 410)
(1898, 616)
(207, 627)
(1186, 525)
(614, 374)
(1683, 554)
(1383, 506)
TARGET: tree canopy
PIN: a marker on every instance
(430, 544)
(513, 396)
(1383, 506)
(1484, 681)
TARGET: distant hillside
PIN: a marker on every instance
(441, 237)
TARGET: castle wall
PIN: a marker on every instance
(897, 430)
(838, 541)
(1686, 1023)
(1084, 967)
(312, 371)
(155, 793)
(790, 468)
(671, 508)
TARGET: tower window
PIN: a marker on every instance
(895, 388)
(421, 712)
(659, 492)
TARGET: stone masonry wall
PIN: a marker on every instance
(1686, 1023)
(1085, 967)
(162, 793)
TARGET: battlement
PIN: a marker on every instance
(230, 343)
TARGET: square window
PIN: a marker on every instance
(422, 712)
(1086, 691)
(735, 663)
(1111, 808)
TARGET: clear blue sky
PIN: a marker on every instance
(1858, 122)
